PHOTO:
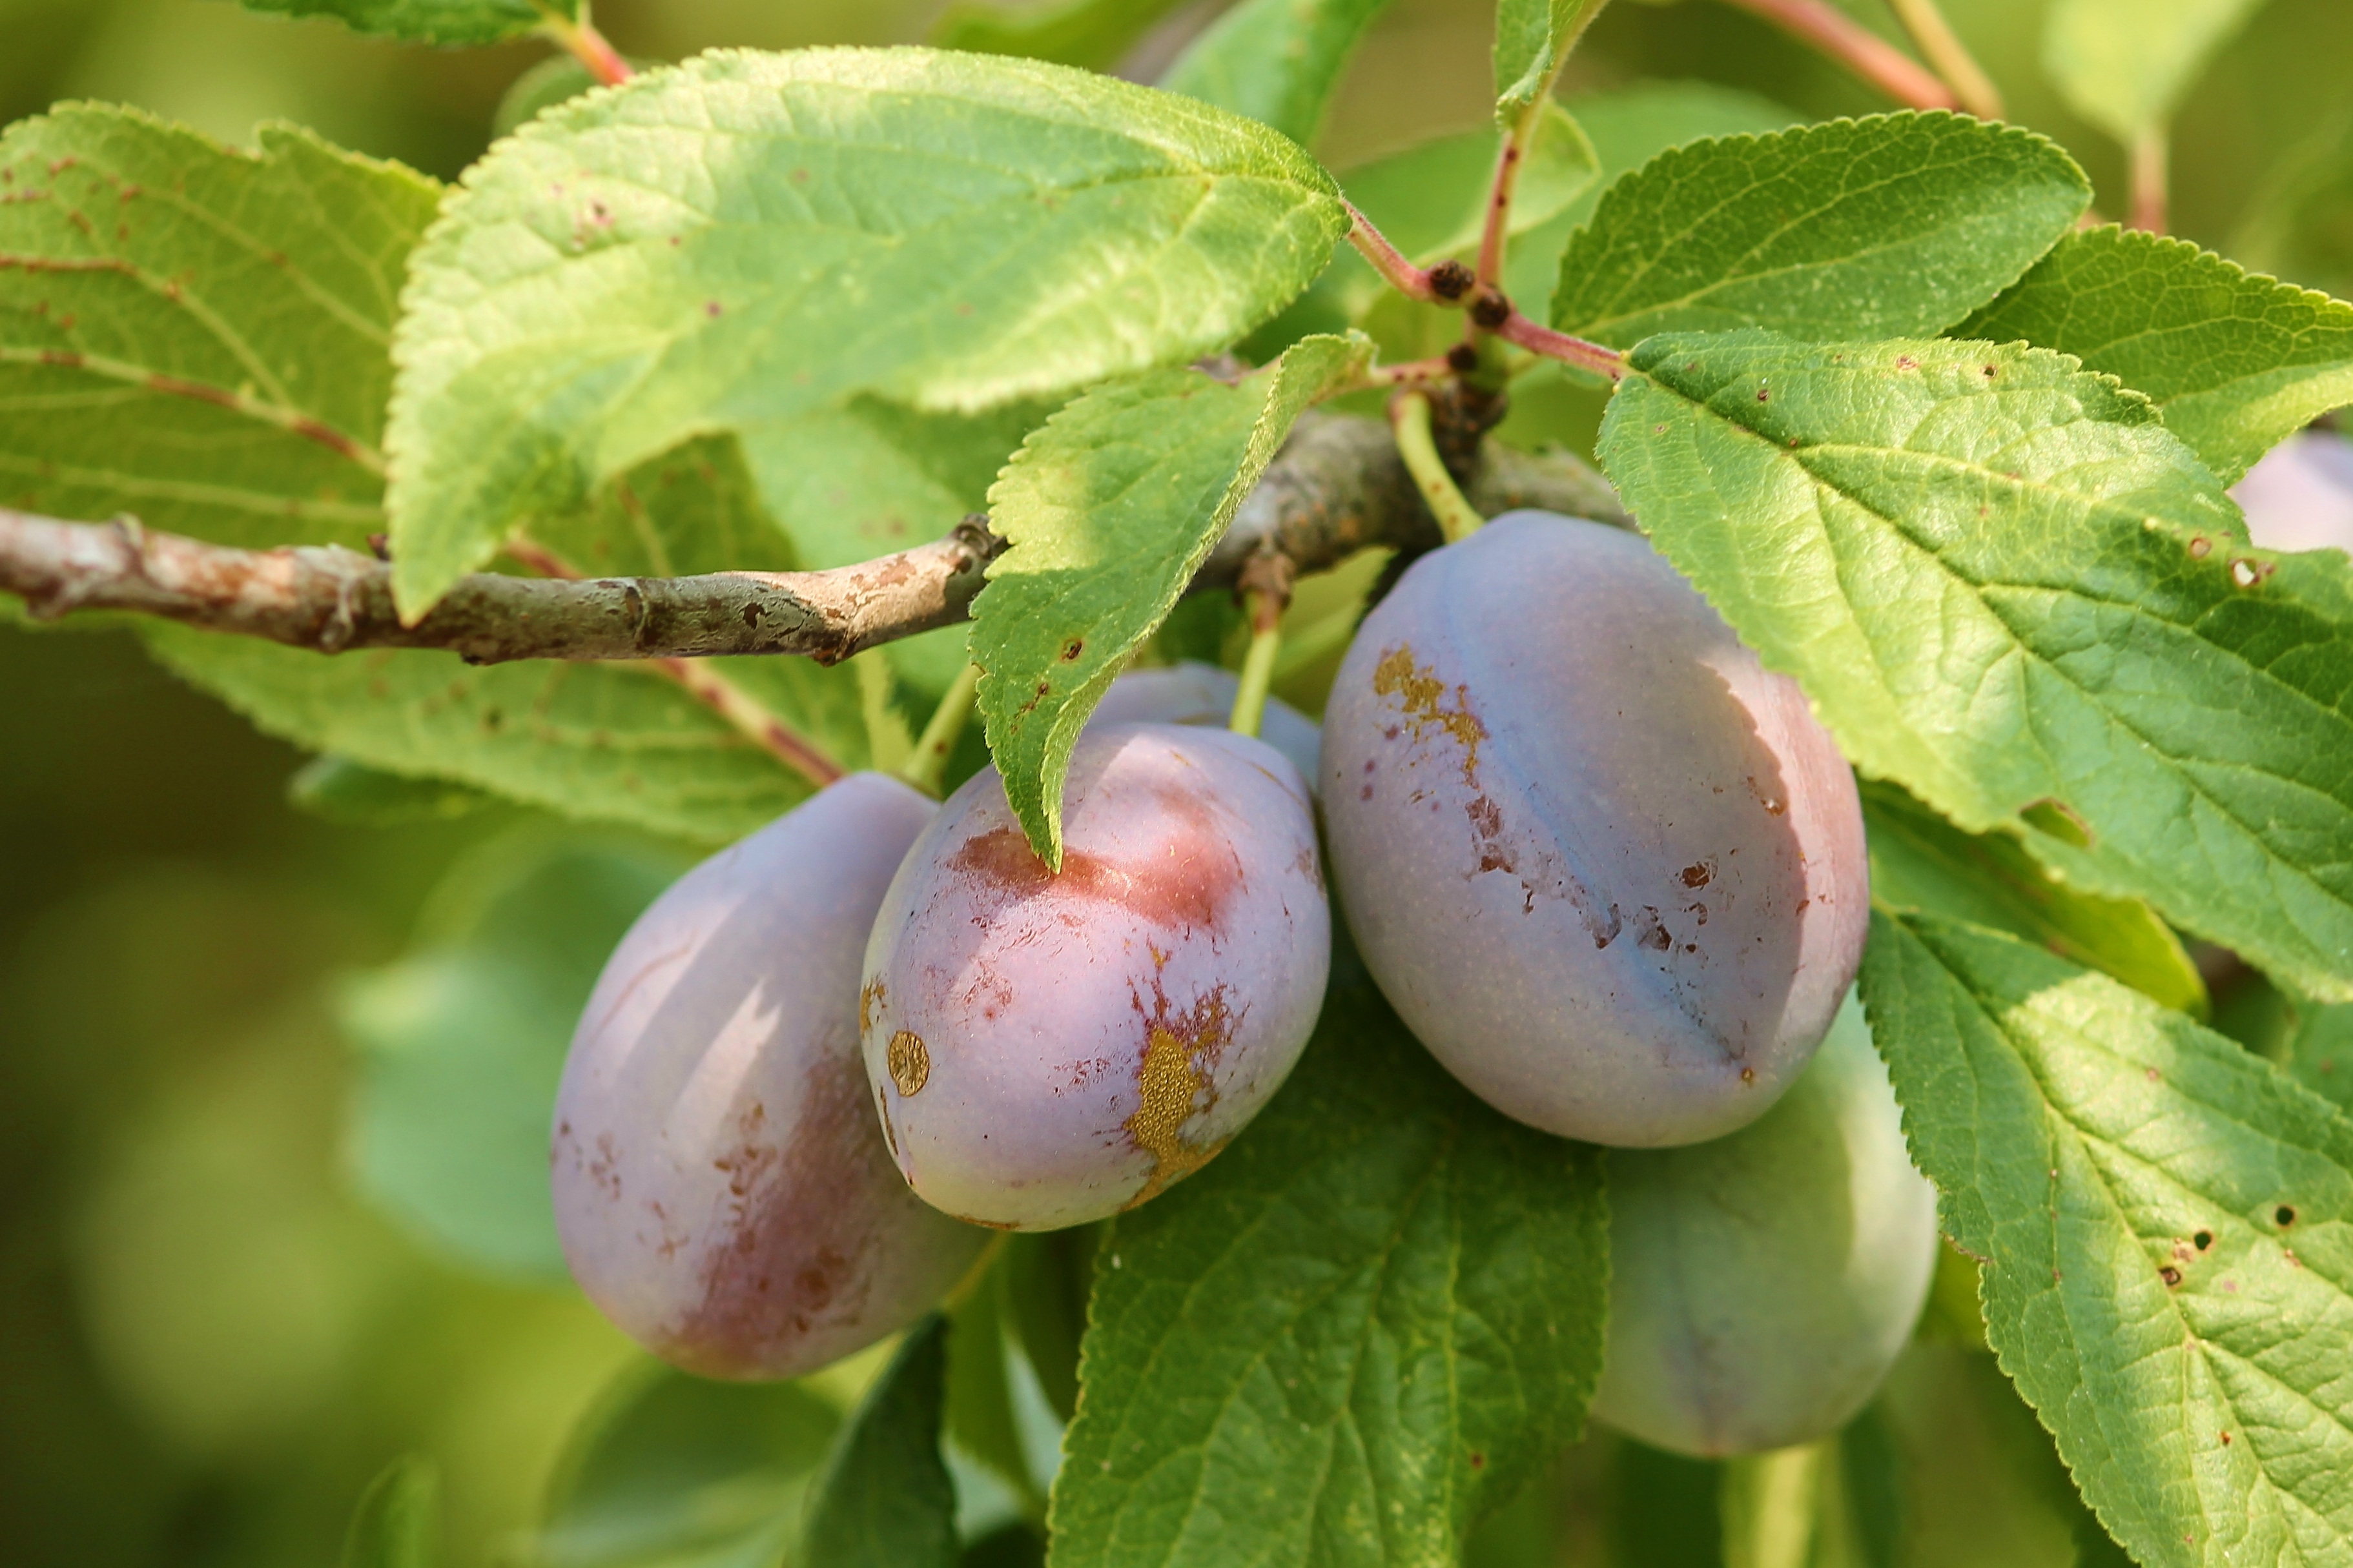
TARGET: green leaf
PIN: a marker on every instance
(980, 1416)
(197, 334)
(1046, 1287)
(2167, 1221)
(1533, 39)
(461, 1042)
(2320, 1051)
(1277, 61)
(1980, 1483)
(1918, 861)
(885, 1499)
(428, 21)
(2124, 65)
(338, 789)
(2008, 588)
(397, 1518)
(1110, 510)
(1095, 34)
(748, 238)
(1896, 225)
(2238, 363)
(2299, 222)
(1430, 200)
(1373, 1319)
(612, 743)
(673, 1472)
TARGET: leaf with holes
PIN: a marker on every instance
(2124, 65)
(1895, 225)
(748, 238)
(1368, 1323)
(2009, 588)
(1918, 861)
(430, 21)
(1110, 510)
(1275, 61)
(2238, 363)
(2168, 1222)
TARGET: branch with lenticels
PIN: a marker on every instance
(1337, 487)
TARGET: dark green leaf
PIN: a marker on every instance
(1046, 1285)
(559, 78)
(2298, 223)
(1979, 1481)
(2237, 362)
(2124, 65)
(1371, 1320)
(885, 1499)
(748, 238)
(462, 1041)
(980, 1410)
(674, 1471)
(1090, 32)
(397, 1519)
(1918, 861)
(1898, 224)
(1275, 61)
(340, 790)
(2007, 587)
(2166, 1219)
(1110, 509)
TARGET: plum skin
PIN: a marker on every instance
(1607, 868)
(1191, 693)
(1050, 1049)
(720, 1190)
(1762, 1284)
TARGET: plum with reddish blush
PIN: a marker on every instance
(721, 1191)
(1604, 864)
(1047, 1048)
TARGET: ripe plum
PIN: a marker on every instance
(1762, 1284)
(1048, 1048)
(1196, 693)
(721, 1190)
(1604, 864)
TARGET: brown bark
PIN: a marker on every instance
(1337, 487)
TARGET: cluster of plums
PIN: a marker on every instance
(1605, 866)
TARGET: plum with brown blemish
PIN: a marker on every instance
(1761, 1285)
(1048, 1048)
(1605, 865)
(1191, 693)
(721, 1190)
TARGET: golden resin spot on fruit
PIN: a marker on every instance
(1173, 1085)
(1419, 694)
(870, 996)
(910, 1062)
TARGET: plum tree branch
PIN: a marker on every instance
(1337, 487)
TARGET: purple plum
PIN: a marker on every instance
(1048, 1048)
(1196, 693)
(1606, 867)
(1760, 1286)
(721, 1190)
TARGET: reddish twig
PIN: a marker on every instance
(587, 45)
(1858, 48)
(1538, 339)
(1942, 47)
(2151, 176)
(1444, 284)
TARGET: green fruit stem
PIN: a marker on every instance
(929, 763)
(1409, 417)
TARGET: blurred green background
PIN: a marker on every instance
(207, 1344)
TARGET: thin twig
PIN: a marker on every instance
(1444, 284)
(1855, 46)
(1942, 47)
(1519, 139)
(1539, 339)
(2151, 177)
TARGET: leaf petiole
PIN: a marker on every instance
(1519, 139)
(1943, 49)
(1538, 339)
(586, 45)
(1861, 51)
(928, 764)
(1444, 284)
(2151, 159)
(1409, 418)
(1266, 594)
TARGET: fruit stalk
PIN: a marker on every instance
(1409, 416)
